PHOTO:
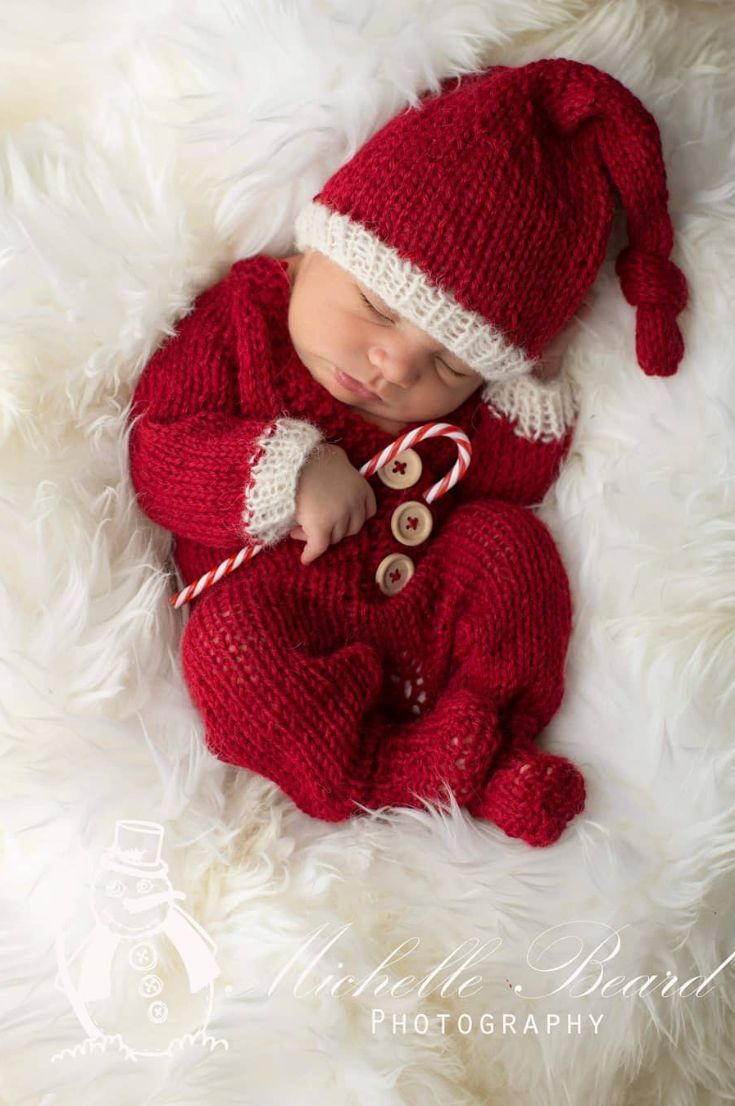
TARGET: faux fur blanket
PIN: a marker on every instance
(409, 956)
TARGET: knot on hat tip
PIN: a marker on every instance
(658, 289)
(650, 280)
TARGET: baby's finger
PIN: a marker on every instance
(316, 543)
(298, 532)
(372, 503)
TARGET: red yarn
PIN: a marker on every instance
(658, 289)
(500, 189)
(292, 666)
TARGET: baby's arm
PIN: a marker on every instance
(199, 468)
(521, 433)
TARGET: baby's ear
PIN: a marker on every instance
(552, 358)
(548, 368)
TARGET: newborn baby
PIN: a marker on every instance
(380, 650)
(375, 664)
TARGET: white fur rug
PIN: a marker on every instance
(145, 147)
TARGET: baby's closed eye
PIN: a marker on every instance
(455, 373)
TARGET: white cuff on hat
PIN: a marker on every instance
(405, 289)
(270, 504)
(541, 409)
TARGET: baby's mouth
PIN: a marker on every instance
(354, 386)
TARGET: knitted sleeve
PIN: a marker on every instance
(522, 431)
(199, 467)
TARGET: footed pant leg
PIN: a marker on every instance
(448, 749)
(528, 793)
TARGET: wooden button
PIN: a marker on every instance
(403, 471)
(411, 522)
(394, 572)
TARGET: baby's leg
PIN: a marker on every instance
(449, 748)
(513, 641)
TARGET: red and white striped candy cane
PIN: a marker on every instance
(412, 437)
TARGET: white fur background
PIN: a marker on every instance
(145, 146)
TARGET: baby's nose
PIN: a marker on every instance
(403, 372)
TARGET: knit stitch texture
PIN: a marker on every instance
(309, 674)
(483, 214)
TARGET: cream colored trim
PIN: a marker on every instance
(271, 496)
(405, 289)
(541, 409)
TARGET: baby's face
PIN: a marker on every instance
(411, 377)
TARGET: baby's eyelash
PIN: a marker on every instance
(380, 316)
(373, 309)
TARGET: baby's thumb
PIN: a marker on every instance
(316, 543)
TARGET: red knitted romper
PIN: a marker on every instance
(311, 675)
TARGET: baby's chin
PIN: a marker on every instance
(390, 426)
(387, 419)
(396, 423)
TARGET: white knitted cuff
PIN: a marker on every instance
(405, 289)
(541, 409)
(270, 503)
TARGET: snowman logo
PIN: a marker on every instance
(144, 975)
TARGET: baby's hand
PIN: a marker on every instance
(333, 500)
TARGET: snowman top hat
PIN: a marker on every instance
(136, 849)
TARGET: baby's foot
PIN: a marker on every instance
(451, 746)
(531, 794)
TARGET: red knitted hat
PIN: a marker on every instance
(483, 215)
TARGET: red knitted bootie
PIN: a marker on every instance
(450, 747)
(530, 794)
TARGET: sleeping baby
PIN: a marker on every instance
(382, 650)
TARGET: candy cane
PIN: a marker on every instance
(428, 430)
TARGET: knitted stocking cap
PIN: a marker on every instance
(483, 214)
